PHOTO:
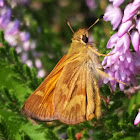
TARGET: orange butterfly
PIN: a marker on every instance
(70, 92)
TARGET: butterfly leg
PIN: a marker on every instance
(105, 75)
(97, 100)
(96, 52)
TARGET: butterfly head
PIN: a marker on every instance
(80, 36)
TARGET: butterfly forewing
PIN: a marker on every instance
(39, 104)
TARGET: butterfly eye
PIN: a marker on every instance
(85, 39)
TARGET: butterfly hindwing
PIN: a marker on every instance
(75, 95)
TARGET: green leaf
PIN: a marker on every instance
(24, 136)
(5, 133)
(71, 133)
(50, 135)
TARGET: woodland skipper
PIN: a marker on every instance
(70, 92)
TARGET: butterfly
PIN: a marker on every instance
(70, 93)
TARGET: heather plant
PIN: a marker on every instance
(34, 36)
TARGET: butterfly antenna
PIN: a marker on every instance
(95, 22)
(68, 23)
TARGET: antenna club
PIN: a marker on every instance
(101, 16)
(68, 23)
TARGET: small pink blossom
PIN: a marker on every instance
(124, 28)
(130, 11)
(29, 63)
(5, 15)
(135, 38)
(11, 39)
(38, 63)
(114, 15)
(91, 4)
(24, 36)
(138, 23)
(24, 57)
(1, 3)
(137, 119)
(12, 27)
(26, 46)
(127, 15)
(18, 49)
(136, 2)
(136, 58)
(134, 8)
(112, 41)
(132, 90)
(41, 73)
(116, 3)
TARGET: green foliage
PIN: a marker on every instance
(18, 81)
(22, 73)
(10, 99)
(4, 130)
(49, 134)
(71, 133)
(24, 136)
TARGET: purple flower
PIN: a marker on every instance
(116, 3)
(120, 65)
(130, 11)
(138, 23)
(38, 63)
(11, 39)
(16, 38)
(24, 36)
(26, 46)
(41, 73)
(132, 90)
(91, 4)
(136, 60)
(137, 119)
(124, 28)
(18, 50)
(24, 57)
(11, 32)
(135, 38)
(136, 2)
(112, 41)
(114, 15)
(12, 27)
(134, 7)
(29, 63)
(124, 65)
(5, 15)
(1, 3)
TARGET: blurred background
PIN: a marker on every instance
(34, 36)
